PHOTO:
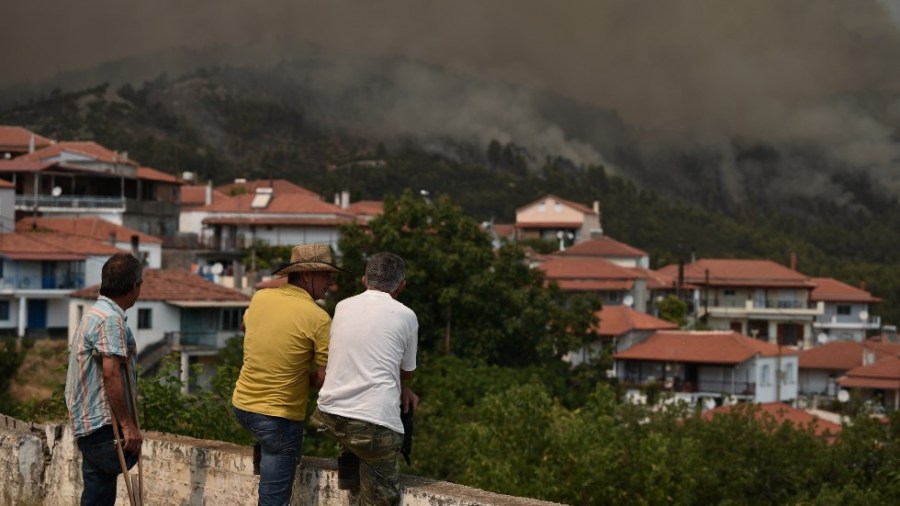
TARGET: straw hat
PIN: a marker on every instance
(309, 258)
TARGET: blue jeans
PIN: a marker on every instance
(280, 441)
(100, 467)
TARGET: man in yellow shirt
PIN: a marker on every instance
(285, 334)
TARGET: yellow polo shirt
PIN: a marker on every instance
(286, 335)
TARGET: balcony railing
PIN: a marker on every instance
(196, 339)
(65, 282)
(732, 307)
(711, 386)
(28, 202)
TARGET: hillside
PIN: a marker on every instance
(377, 127)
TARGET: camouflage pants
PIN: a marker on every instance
(378, 449)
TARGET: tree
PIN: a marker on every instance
(674, 309)
(470, 299)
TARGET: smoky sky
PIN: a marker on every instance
(714, 69)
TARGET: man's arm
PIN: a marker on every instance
(114, 385)
(317, 377)
(408, 398)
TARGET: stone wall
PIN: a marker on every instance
(41, 465)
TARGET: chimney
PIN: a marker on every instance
(345, 199)
(135, 246)
(208, 198)
(862, 285)
(337, 199)
(112, 238)
(793, 261)
(31, 144)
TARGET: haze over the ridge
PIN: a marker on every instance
(766, 70)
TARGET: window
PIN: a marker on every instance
(788, 374)
(145, 318)
(232, 318)
(542, 207)
(843, 309)
(766, 380)
(557, 207)
(4, 310)
(1, 267)
(728, 292)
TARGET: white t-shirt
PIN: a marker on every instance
(373, 337)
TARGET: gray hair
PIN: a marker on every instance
(385, 271)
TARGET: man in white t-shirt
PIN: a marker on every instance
(372, 352)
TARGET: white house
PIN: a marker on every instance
(847, 312)
(554, 219)
(177, 312)
(711, 364)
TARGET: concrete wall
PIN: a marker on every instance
(41, 465)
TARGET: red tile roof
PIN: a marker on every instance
(270, 220)
(277, 185)
(280, 203)
(603, 247)
(710, 347)
(549, 224)
(86, 148)
(6, 184)
(738, 272)
(504, 230)
(558, 268)
(781, 413)
(16, 138)
(93, 228)
(175, 285)
(195, 195)
(833, 356)
(50, 246)
(617, 320)
(19, 165)
(594, 285)
(152, 174)
(882, 375)
(832, 290)
(366, 208)
(574, 205)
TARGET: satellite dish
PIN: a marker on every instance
(843, 396)
(628, 301)
(560, 234)
(56, 191)
(863, 315)
(709, 403)
(217, 268)
(822, 338)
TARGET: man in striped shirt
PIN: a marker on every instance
(95, 383)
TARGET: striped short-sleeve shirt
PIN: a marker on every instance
(102, 329)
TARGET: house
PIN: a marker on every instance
(847, 311)
(270, 216)
(15, 141)
(177, 312)
(551, 218)
(711, 364)
(776, 414)
(821, 366)
(760, 298)
(635, 287)
(620, 328)
(37, 271)
(606, 247)
(79, 179)
(148, 247)
(879, 381)
(194, 197)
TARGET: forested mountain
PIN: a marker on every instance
(378, 126)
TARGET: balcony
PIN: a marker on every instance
(845, 322)
(197, 340)
(48, 203)
(66, 282)
(774, 308)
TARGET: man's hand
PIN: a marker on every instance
(132, 438)
(408, 399)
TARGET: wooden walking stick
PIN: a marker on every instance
(121, 453)
(132, 395)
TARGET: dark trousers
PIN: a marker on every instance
(100, 466)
